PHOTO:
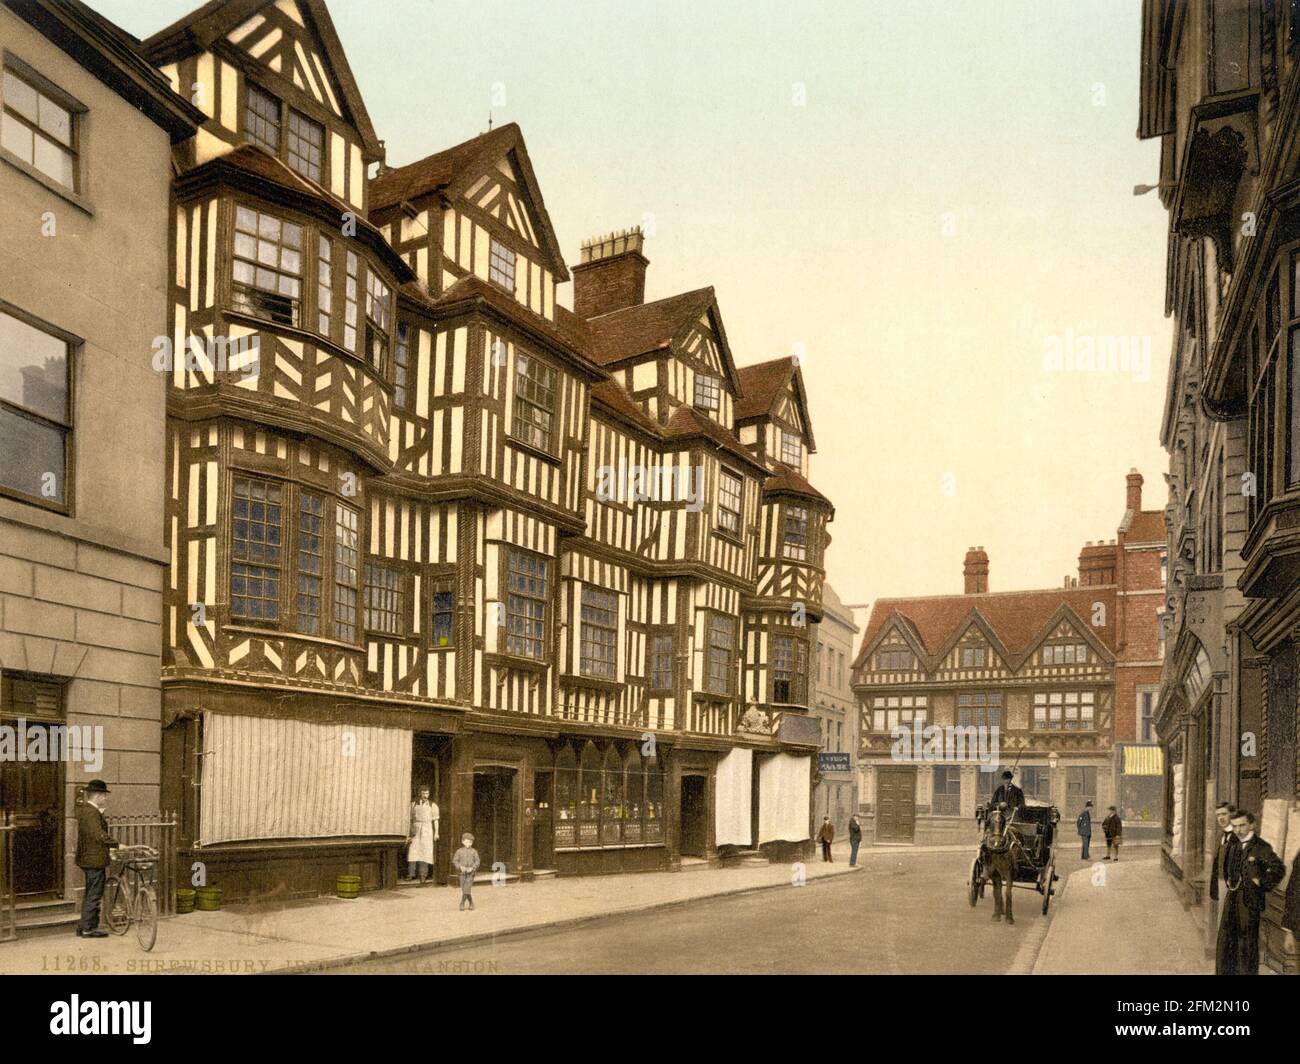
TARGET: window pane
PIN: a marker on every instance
(33, 369)
(17, 138)
(55, 121)
(29, 450)
(21, 97)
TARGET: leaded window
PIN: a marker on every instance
(267, 270)
(1064, 710)
(501, 265)
(311, 561)
(383, 600)
(442, 625)
(526, 605)
(599, 639)
(730, 492)
(262, 119)
(982, 709)
(306, 145)
(795, 533)
(534, 403)
(255, 550)
(722, 652)
(708, 391)
(378, 320)
(791, 449)
(346, 571)
(401, 365)
(660, 666)
(789, 670)
(324, 287)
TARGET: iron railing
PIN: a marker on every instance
(8, 895)
(159, 831)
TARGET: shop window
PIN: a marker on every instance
(590, 785)
(947, 790)
(566, 799)
(1036, 782)
(612, 809)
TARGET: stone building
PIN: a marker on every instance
(84, 267)
(834, 704)
(1221, 90)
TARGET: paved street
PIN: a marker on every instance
(898, 914)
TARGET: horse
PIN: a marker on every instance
(999, 852)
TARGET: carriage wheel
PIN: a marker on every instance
(1047, 885)
(976, 882)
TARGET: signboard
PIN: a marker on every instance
(834, 762)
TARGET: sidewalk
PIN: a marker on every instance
(306, 935)
(1132, 924)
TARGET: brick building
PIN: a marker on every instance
(1057, 678)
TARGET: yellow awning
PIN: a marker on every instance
(1143, 761)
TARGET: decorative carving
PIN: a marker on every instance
(1216, 162)
(755, 721)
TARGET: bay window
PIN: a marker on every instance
(721, 654)
(789, 670)
(730, 492)
(794, 533)
(378, 316)
(346, 568)
(267, 267)
(534, 407)
(257, 527)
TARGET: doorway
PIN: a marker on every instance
(30, 790)
(493, 817)
(694, 810)
(895, 804)
(543, 825)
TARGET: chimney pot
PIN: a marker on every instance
(976, 571)
(611, 275)
(1133, 495)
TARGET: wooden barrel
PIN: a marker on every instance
(207, 899)
(184, 900)
(346, 886)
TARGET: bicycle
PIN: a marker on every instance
(129, 895)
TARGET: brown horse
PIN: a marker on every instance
(999, 852)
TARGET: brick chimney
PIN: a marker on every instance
(976, 571)
(611, 275)
(1097, 563)
(1133, 500)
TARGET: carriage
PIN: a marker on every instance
(1029, 834)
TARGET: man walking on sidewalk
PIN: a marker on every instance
(1084, 826)
(825, 837)
(1113, 828)
(1253, 869)
(466, 861)
(855, 840)
(93, 844)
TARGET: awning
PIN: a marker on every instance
(734, 790)
(1144, 761)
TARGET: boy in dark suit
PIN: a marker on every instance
(1253, 869)
(466, 862)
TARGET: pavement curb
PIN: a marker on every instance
(343, 960)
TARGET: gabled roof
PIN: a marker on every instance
(1145, 526)
(452, 170)
(202, 28)
(648, 327)
(1019, 619)
(786, 481)
(762, 386)
(113, 56)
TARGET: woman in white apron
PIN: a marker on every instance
(424, 833)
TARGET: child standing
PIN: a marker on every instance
(466, 862)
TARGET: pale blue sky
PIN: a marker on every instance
(954, 190)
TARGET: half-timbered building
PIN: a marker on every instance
(428, 527)
(1044, 682)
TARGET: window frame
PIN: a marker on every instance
(593, 664)
(730, 529)
(787, 435)
(712, 397)
(713, 647)
(382, 601)
(283, 110)
(654, 671)
(444, 584)
(498, 249)
(73, 347)
(78, 117)
(796, 665)
(544, 598)
(238, 287)
(523, 364)
(794, 549)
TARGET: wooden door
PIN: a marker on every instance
(493, 818)
(543, 824)
(895, 803)
(694, 809)
(30, 790)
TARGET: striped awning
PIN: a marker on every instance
(1143, 761)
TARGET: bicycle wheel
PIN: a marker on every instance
(117, 907)
(146, 917)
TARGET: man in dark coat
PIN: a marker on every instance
(826, 836)
(93, 844)
(1253, 869)
(1113, 828)
(1291, 907)
(1008, 792)
(1084, 826)
(1223, 814)
(855, 840)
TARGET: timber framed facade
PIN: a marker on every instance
(427, 527)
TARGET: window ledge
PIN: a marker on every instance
(545, 456)
(62, 191)
(281, 633)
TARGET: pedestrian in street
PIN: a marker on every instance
(93, 844)
(1113, 828)
(466, 862)
(855, 840)
(825, 837)
(1084, 826)
(1253, 869)
(1223, 814)
(423, 834)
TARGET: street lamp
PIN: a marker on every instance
(1142, 190)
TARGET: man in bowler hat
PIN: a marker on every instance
(93, 844)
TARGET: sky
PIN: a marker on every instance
(929, 201)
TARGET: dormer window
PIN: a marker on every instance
(306, 145)
(791, 449)
(262, 120)
(895, 660)
(285, 132)
(501, 265)
(972, 657)
(708, 391)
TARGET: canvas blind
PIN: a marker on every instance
(734, 790)
(291, 779)
(784, 798)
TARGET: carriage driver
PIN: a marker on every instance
(1008, 792)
